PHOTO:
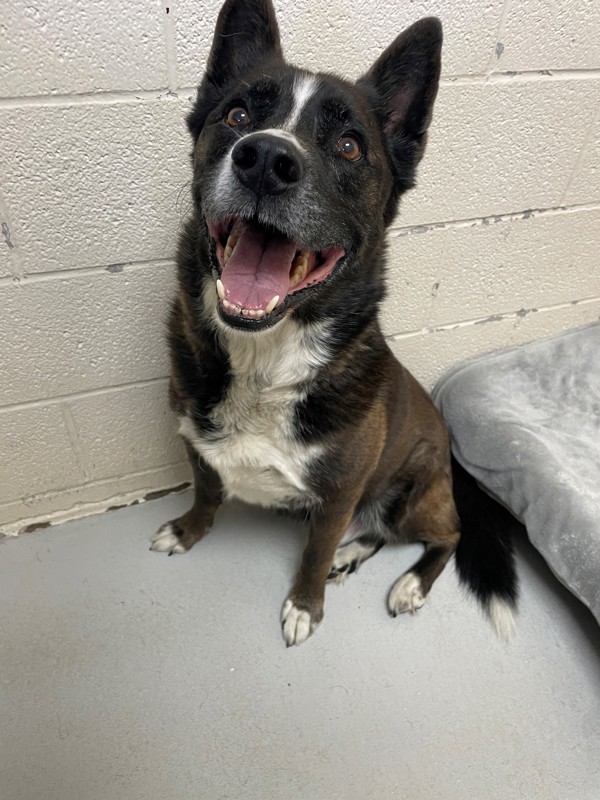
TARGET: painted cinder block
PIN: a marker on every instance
(454, 273)
(7, 269)
(332, 36)
(584, 186)
(90, 498)
(500, 147)
(9, 255)
(52, 47)
(429, 355)
(538, 35)
(84, 331)
(95, 184)
(126, 430)
(37, 453)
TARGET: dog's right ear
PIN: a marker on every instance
(246, 35)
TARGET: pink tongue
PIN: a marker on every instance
(258, 269)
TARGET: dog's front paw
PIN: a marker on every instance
(298, 623)
(168, 539)
(406, 595)
(179, 535)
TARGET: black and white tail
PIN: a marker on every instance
(484, 557)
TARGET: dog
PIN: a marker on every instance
(286, 392)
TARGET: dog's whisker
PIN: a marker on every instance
(184, 200)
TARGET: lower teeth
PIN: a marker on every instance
(254, 313)
(231, 307)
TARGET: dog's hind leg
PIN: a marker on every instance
(348, 557)
(432, 521)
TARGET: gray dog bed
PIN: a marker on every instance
(525, 423)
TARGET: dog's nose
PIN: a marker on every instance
(267, 164)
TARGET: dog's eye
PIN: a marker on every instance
(238, 117)
(349, 148)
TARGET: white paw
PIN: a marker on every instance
(338, 576)
(165, 540)
(406, 594)
(296, 624)
(348, 558)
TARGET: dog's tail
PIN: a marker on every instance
(484, 556)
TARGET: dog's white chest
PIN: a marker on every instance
(254, 450)
(254, 453)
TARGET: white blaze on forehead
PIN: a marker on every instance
(304, 88)
(280, 132)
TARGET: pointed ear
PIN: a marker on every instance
(246, 35)
(403, 84)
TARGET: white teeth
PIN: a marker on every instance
(220, 290)
(231, 243)
(254, 313)
(231, 307)
(272, 303)
(299, 269)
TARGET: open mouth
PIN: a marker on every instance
(261, 270)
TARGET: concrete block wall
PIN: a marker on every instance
(498, 244)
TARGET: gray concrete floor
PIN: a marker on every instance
(127, 675)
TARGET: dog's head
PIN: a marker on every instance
(296, 175)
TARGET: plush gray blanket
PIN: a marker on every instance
(525, 423)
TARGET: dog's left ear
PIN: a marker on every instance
(403, 85)
(246, 35)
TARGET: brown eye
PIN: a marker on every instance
(238, 117)
(349, 148)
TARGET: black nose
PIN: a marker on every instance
(267, 164)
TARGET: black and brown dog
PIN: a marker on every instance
(286, 391)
